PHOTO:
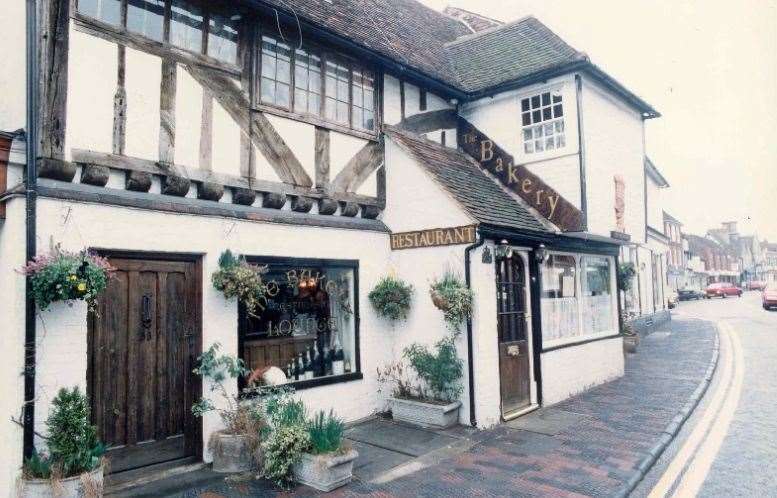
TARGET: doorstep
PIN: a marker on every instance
(121, 483)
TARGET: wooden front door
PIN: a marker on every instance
(142, 346)
(512, 325)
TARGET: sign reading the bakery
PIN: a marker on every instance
(519, 179)
(432, 238)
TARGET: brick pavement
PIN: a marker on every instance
(591, 448)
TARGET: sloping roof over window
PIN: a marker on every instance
(668, 217)
(654, 174)
(478, 194)
(445, 49)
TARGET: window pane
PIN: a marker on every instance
(369, 99)
(268, 66)
(546, 114)
(300, 75)
(536, 116)
(186, 26)
(558, 111)
(331, 109)
(545, 99)
(597, 295)
(535, 102)
(282, 97)
(222, 37)
(105, 10)
(526, 120)
(146, 17)
(283, 68)
(525, 105)
(342, 112)
(358, 117)
(369, 120)
(300, 100)
(559, 301)
(268, 90)
(307, 327)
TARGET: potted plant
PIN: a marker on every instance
(630, 336)
(67, 276)
(328, 463)
(285, 437)
(452, 296)
(74, 464)
(236, 447)
(626, 273)
(391, 298)
(236, 278)
(433, 401)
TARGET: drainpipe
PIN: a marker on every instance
(470, 355)
(581, 151)
(31, 180)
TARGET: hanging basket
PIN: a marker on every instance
(440, 302)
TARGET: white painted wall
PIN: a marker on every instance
(570, 371)
(12, 77)
(655, 205)
(499, 117)
(613, 145)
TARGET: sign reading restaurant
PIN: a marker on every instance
(433, 237)
(519, 179)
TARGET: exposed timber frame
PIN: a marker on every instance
(426, 122)
(366, 161)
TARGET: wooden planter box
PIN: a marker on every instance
(429, 415)
(325, 472)
(88, 484)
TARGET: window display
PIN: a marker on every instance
(307, 324)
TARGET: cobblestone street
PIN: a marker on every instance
(589, 445)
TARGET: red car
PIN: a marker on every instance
(756, 285)
(722, 289)
(769, 297)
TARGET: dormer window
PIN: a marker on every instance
(542, 117)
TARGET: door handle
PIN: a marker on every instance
(145, 317)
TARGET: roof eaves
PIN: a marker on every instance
(653, 172)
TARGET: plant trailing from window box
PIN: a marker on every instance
(235, 448)
(67, 276)
(391, 298)
(432, 401)
(74, 463)
(626, 273)
(328, 463)
(452, 296)
(236, 278)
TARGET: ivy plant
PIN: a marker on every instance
(236, 278)
(391, 298)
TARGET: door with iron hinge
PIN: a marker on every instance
(143, 342)
(513, 327)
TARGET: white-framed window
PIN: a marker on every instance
(578, 298)
(542, 121)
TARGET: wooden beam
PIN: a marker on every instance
(120, 103)
(167, 112)
(137, 166)
(322, 158)
(270, 143)
(444, 119)
(206, 131)
(359, 168)
(53, 46)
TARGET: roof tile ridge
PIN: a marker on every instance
(488, 31)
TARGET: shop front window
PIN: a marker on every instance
(308, 325)
(560, 307)
(597, 298)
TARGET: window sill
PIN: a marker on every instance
(325, 381)
(578, 341)
(316, 121)
(525, 159)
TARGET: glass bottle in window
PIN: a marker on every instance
(308, 365)
(300, 368)
(318, 364)
(338, 365)
(327, 360)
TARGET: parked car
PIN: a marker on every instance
(688, 294)
(769, 297)
(722, 289)
(672, 299)
(756, 285)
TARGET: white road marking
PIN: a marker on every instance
(702, 446)
(675, 468)
(700, 466)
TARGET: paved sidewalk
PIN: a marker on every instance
(589, 445)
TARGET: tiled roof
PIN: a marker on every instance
(403, 30)
(509, 52)
(668, 217)
(478, 194)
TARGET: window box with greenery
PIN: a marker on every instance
(452, 296)
(67, 276)
(74, 464)
(431, 399)
(235, 448)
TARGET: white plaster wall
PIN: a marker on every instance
(300, 137)
(12, 306)
(225, 156)
(12, 77)
(89, 225)
(655, 205)
(188, 119)
(91, 89)
(613, 145)
(143, 85)
(499, 117)
(414, 201)
(392, 101)
(572, 370)
(342, 148)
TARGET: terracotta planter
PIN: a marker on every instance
(630, 343)
(325, 472)
(86, 485)
(232, 453)
(429, 415)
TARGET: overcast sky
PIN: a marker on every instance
(710, 68)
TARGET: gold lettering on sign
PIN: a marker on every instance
(539, 194)
(434, 237)
(553, 201)
(499, 164)
(511, 176)
(486, 150)
(526, 186)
